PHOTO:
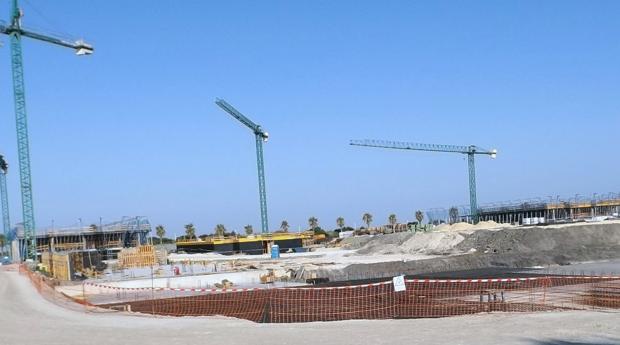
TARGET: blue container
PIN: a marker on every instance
(275, 251)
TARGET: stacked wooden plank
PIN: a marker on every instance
(46, 261)
(61, 266)
(142, 256)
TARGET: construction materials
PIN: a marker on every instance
(260, 136)
(6, 223)
(470, 151)
(16, 31)
(72, 265)
(142, 256)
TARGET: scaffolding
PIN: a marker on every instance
(107, 238)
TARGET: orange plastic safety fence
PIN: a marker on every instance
(47, 288)
(422, 298)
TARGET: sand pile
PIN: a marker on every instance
(509, 247)
(429, 243)
(432, 243)
(382, 244)
(454, 227)
(468, 228)
(443, 240)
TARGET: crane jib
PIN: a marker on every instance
(470, 151)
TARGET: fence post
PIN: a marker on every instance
(84, 296)
(152, 293)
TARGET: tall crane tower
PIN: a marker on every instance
(470, 151)
(6, 222)
(260, 136)
(15, 31)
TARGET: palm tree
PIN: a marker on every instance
(367, 218)
(161, 232)
(392, 220)
(419, 216)
(249, 230)
(220, 230)
(190, 231)
(313, 222)
(284, 226)
(340, 222)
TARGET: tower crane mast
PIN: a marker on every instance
(15, 31)
(260, 136)
(470, 151)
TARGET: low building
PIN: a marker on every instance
(253, 244)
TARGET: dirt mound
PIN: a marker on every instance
(466, 227)
(430, 243)
(512, 247)
(389, 243)
(442, 241)
(578, 243)
(357, 242)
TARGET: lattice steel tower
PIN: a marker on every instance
(15, 30)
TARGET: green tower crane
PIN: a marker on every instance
(470, 151)
(260, 136)
(6, 222)
(15, 30)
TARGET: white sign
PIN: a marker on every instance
(399, 283)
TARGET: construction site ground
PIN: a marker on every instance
(484, 249)
(24, 311)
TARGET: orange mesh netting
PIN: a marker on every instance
(422, 298)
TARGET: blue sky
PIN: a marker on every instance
(132, 129)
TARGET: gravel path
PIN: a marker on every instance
(28, 319)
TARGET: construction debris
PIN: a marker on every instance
(225, 284)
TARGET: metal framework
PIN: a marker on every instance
(15, 31)
(6, 222)
(261, 136)
(470, 151)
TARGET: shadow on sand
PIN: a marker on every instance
(605, 341)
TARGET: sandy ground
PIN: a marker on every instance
(28, 319)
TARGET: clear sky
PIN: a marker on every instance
(132, 129)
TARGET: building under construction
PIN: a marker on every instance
(106, 239)
(539, 211)
(535, 211)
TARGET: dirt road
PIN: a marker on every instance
(28, 319)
